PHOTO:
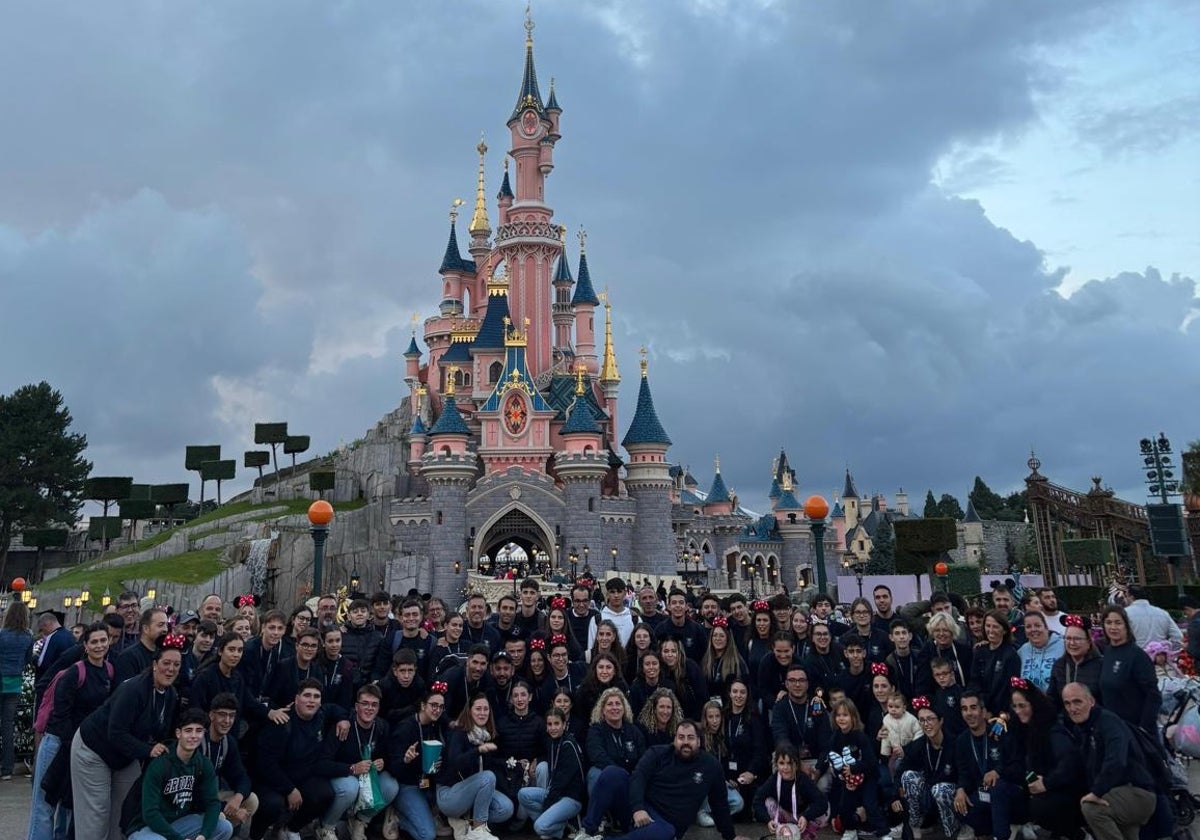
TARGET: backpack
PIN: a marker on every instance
(46, 708)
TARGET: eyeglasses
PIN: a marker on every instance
(368, 704)
(435, 705)
(796, 680)
(307, 645)
(929, 721)
(225, 715)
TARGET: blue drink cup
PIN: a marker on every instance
(431, 751)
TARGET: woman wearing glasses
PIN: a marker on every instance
(412, 760)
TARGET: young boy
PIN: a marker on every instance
(946, 700)
(902, 661)
(402, 688)
(179, 790)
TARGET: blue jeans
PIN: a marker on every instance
(733, 796)
(547, 822)
(188, 826)
(611, 796)
(8, 732)
(42, 813)
(345, 793)
(477, 796)
(416, 818)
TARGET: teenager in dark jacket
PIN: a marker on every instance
(293, 773)
(410, 636)
(451, 649)
(366, 746)
(825, 663)
(110, 745)
(286, 679)
(238, 801)
(557, 794)
(521, 734)
(262, 654)
(338, 673)
(360, 641)
(853, 761)
(789, 797)
(613, 739)
(222, 676)
(402, 689)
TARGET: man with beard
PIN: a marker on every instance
(135, 659)
(1050, 609)
(800, 721)
(660, 799)
(582, 614)
(464, 681)
(478, 631)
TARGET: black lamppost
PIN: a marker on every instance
(586, 550)
(614, 558)
(356, 581)
(320, 514)
(573, 559)
(859, 567)
(696, 562)
(816, 509)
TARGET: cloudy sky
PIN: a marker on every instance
(915, 238)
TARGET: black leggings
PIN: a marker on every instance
(1058, 812)
(273, 808)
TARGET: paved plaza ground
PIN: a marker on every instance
(14, 814)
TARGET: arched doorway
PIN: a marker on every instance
(516, 526)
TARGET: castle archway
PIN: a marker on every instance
(517, 524)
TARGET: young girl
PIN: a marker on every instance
(558, 793)
(641, 642)
(899, 730)
(721, 662)
(855, 773)
(789, 797)
(608, 641)
(716, 744)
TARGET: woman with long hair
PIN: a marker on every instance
(721, 661)
(452, 648)
(81, 690)
(649, 679)
(337, 671)
(862, 626)
(466, 790)
(300, 620)
(608, 641)
(559, 788)
(758, 637)
(536, 666)
(659, 717)
(406, 765)
(1079, 663)
(854, 766)
(603, 673)
(577, 726)
(690, 686)
(744, 732)
(800, 632)
(825, 664)
(107, 751)
(613, 739)
(1128, 684)
(1054, 768)
(641, 640)
(996, 662)
(16, 652)
(712, 737)
(558, 624)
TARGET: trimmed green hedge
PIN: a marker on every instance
(170, 494)
(107, 488)
(926, 536)
(255, 458)
(104, 527)
(296, 444)
(137, 508)
(321, 480)
(270, 433)
(194, 456)
(1088, 552)
(218, 470)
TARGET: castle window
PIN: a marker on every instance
(862, 545)
(439, 517)
(591, 503)
(495, 369)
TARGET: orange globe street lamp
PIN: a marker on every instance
(943, 572)
(320, 514)
(816, 509)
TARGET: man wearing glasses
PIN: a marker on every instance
(238, 802)
(365, 747)
(563, 674)
(294, 670)
(129, 608)
(795, 720)
(582, 615)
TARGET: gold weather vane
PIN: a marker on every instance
(453, 370)
(642, 353)
(579, 371)
(528, 23)
(479, 221)
(717, 463)
(454, 205)
(582, 235)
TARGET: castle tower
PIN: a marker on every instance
(487, 351)
(417, 435)
(449, 469)
(610, 377)
(528, 240)
(453, 269)
(504, 198)
(902, 502)
(412, 362)
(718, 501)
(794, 527)
(851, 500)
(581, 466)
(480, 230)
(971, 534)
(648, 479)
(585, 303)
(515, 418)
(564, 316)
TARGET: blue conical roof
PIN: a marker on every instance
(584, 293)
(451, 422)
(562, 273)
(645, 427)
(849, 491)
(413, 349)
(788, 501)
(453, 260)
(418, 428)
(505, 187)
(552, 102)
(491, 331)
(530, 96)
(718, 492)
(971, 515)
(580, 421)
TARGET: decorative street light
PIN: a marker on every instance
(696, 562)
(816, 509)
(573, 558)
(106, 598)
(859, 567)
(943, 573)
(614, 558)
(356, 580)
(320, 514)
(585, 556)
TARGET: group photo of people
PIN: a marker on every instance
(599, 709)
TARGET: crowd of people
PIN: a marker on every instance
(596, 711)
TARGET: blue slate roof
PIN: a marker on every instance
(561, 394)
(491, 331)
(514, 363)
(764, 529)
(584, 293)
(413, 349)
(530, 96)
(459, 352)
(453, 260)
(775, 489)
(451, 422)
(552, 102)
(505, 187)
(849, 491)
(418, 428)
(838, 510)
(687, 497)
(562, 272)
(788, 501)
(580, 421)
(645, 427)
(971, 515)
(718, 493)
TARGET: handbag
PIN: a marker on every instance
(370, 797)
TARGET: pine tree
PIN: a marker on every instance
(988, 505)
(882, 559)
(949, 507)
(931, 506)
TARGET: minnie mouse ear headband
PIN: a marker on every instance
(760, 606)
(919, 703)
(879, 669)
(438, 687)
(247, 600)
(171, 640)
(558, 602)
(1073, 621)
(720, 621)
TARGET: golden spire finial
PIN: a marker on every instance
(451, 372)
(579, 371)
(562, 235)
(642, 353)
(608, 367)
(528, 24)
(454, 205)
(479, 221)
(416, 319)
(582, 239)
(418, 399)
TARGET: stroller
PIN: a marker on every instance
(1183, 801)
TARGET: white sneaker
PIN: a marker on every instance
(916, 833)
(896, 833)
(285, 834)
(459, 826)
(705, 819)
(391, 826)
(358, 828)
(480, 832)
(850, 835)
(326, 832)
(1029, 831)
(583, 835)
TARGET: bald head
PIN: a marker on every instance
(1078, 701)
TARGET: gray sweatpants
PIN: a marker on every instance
(1128, 809)
(98, 792)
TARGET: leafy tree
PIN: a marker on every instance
(988, 504)
(136, 510)
(42, 468)
(194, 456)
(882, 560)
(931, 507)
(295, 445)
(256, 459)
(949, 508)
(218, 471)
(107, 489)
(272, 434)
(169, 496)
(1015, 505)
(321, 480)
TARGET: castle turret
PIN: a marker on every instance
(610, 377)
(449, 468)
(585, 303)
(453, 269)
(648, 479)
(417, 434)
(718, 501)
(412, 362)
(564, 315)
(553, 111)
(851, 499)
(902, 502)
(504, 198)
(971, 533)
(481, 231)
